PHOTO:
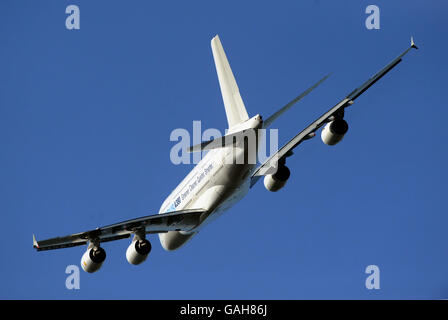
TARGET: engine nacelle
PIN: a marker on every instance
(276, 181)
(138, 251)
(334, 132)
(93, 259)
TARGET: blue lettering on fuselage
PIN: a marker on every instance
(184, 194)
(176, 202)
(170, 209)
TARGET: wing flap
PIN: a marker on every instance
(269, 166)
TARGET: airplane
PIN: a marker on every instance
(215, 184)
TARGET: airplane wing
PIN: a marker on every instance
(183, 220)
(270, 165)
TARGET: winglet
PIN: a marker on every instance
(413, 44)
(35, 244)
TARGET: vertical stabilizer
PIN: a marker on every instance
(235, 110)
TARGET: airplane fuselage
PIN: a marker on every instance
(215, 184)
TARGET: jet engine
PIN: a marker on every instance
(334, 131)
(276, 181)
(93, 259)
(138, 251)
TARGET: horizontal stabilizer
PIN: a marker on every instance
(221, 142)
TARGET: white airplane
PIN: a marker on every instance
(215, 183)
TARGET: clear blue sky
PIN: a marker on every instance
(85, 120)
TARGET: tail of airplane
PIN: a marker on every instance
(234, 105)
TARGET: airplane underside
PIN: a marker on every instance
(217, 199)
(215, 184)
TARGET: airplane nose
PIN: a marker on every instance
(173, 240)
